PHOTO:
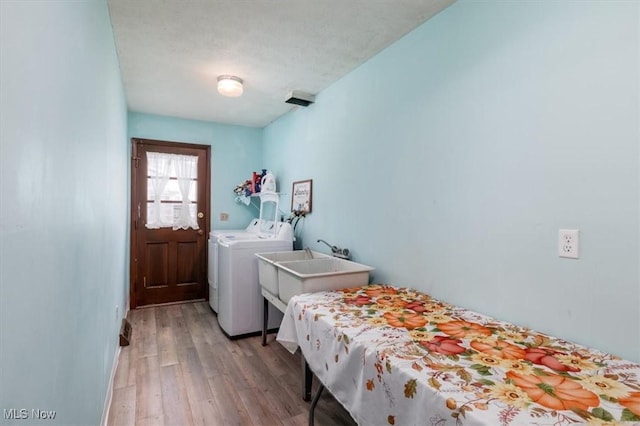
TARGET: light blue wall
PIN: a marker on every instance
(236, 151)
(63, 215)
(450, 160)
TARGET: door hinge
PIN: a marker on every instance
(144, 282)
(136, 160)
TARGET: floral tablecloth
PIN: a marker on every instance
(397, 356)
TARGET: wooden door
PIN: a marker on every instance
(168, 265)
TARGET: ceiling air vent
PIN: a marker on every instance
(300, 98)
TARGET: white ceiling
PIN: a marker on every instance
(171, 51)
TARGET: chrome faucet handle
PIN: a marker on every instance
(342, 253)
(334, 249)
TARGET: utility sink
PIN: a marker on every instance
(267, 265)
(310, 276)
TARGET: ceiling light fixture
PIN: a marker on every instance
(230, 85)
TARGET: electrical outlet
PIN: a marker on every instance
(224, 217)
(568, 243)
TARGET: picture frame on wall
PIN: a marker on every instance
(301, 197)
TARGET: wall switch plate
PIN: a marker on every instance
(568, 243)
(224, 217)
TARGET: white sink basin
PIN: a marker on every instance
(267, 270)
(310, 276)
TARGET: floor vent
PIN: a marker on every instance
(125, 332)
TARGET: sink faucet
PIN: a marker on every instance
(333, 248)
(342, 253)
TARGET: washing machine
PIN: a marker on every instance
(239, 301)
(253, 229)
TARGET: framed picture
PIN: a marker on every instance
(301, 197)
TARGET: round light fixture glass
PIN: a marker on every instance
(230, 85)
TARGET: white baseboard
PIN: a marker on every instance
(109, 397)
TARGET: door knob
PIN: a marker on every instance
(200, 232)
(200, 215)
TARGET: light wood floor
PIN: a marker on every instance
(181, 370)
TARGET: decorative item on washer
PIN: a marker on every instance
(260, 183)
(268, 183)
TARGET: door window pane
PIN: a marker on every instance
(171, 191)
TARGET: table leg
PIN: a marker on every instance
(312, 407)
(265, 320)
(307, 380)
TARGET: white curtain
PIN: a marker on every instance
(159, 171)
(161, 168)
(186, 168)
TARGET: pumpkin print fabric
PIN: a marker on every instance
(397, 356)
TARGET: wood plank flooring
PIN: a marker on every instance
(180, 370)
